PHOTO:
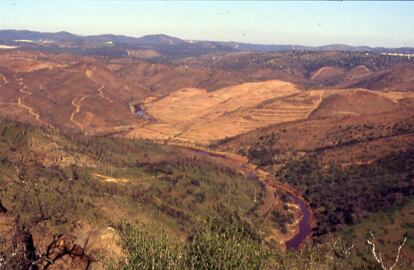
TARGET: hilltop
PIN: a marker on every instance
(169, 46)
(165, 133)
(69, 91)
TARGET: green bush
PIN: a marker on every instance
(222, 242)
(226, 242)
(146, 250)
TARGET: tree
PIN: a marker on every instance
(378, 257)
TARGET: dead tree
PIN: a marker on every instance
(378, 257)
(30, 207)
(342, 250)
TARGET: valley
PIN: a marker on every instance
(303, 148)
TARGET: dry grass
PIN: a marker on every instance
(197, 115)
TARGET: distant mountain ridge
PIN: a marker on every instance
(169, 44)
(12, 35)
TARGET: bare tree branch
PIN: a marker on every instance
(378, 257)
(342, 249)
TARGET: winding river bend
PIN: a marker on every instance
(304, 229)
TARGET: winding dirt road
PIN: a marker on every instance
(20, 103)
(101, 94)
(89, 74)
(77, 104)
(77, 110)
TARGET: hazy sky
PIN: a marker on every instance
(309, 23)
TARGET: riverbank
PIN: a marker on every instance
(305, 220)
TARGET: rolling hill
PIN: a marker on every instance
(171, 47)
(161, 131)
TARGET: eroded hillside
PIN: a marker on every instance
(243, 130)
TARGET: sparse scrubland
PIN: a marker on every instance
(226, 241)
(115, 161)
(61, 180)
(129, 184)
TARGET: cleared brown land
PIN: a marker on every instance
(325, 73)
(194, 115)
(98, 95)
(197, 115)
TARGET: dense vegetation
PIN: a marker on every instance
(227, 241)
(389, 225)
(343, 196)
(262, 152)
(346, 200)
(223, 241)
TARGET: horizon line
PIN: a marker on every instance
(206, 40)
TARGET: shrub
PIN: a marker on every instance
(145, 250)
(225, 241)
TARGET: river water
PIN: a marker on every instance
(305, 228)
(140, 112)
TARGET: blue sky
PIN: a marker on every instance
(388, 24)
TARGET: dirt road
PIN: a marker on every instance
(77, 110)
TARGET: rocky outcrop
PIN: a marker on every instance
(37, 249)
(42, 238)
(63, 253)
(40, 249)
(101, 245)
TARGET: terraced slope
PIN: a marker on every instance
(197, 115)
